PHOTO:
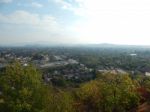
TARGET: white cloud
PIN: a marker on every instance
(27, 27)
(114, 21)
(64, 4)
(78, 9)
(20, 17)
(6, 1)
(37, 5)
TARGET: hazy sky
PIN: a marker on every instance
(75, 21)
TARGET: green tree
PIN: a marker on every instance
(59, 101)
(108, 93)
(119, 93)
(20, 89)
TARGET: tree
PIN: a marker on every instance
(108, 93)
(59, 101)
(20, 89)
(119, 93)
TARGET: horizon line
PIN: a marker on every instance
(67, 44)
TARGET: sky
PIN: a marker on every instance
(75, 22)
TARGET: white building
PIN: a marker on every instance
(147, 73)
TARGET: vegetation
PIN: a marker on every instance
(22, 90)
(109, 93)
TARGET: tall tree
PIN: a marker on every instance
(20, 89)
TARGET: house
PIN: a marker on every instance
(147, 73)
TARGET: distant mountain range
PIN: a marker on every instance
(46, 44)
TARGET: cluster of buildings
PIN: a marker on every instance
(58, 66)
(77, 72)
(113, 71)
(62, 65)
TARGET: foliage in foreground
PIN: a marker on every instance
(22, 90)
